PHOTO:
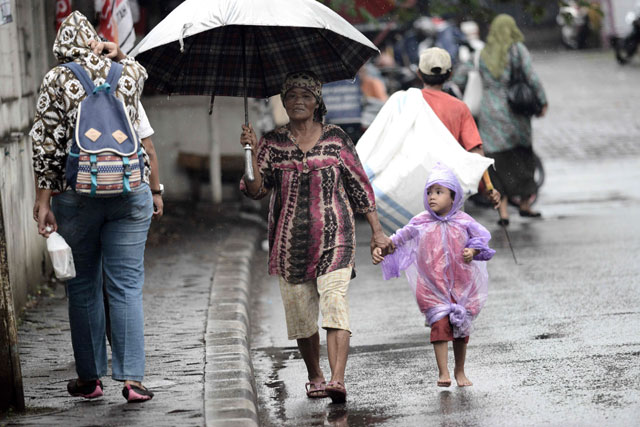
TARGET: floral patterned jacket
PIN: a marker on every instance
(61, 93)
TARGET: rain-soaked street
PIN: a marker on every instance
(558, 342)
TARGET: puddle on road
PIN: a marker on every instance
(341, 416)
(273, 403)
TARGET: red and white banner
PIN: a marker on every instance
(116, 22)
(63, 9)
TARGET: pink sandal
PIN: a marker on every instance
(133, 393)
(90, 390)
(315, 390)
(336, 391)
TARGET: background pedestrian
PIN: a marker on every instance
(507, 136)
(434, 70)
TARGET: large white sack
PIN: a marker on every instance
(398, 150)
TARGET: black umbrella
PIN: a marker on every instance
(247, 47)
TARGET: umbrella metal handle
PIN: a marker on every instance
(248, 164)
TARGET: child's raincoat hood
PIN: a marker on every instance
(72, 40)
(441, 174)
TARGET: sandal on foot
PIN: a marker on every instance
(336, 391)
(316, 390)
(133, 393)
(444, 383)
(90, 390)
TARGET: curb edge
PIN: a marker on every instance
(230, 396)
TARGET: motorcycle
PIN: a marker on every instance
(626, 47)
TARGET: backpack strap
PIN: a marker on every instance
(126, 187)
(114, 75)
(82, 75)
(93, 165)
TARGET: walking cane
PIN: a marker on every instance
(489, 185)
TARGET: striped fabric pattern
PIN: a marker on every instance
(109, 176)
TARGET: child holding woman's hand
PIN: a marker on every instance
(439, 250)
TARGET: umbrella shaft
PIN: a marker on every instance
(244, 76)
(246, 109)
(248, 163)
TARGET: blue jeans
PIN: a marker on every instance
(110, 234)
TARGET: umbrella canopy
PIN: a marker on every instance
(203, 46)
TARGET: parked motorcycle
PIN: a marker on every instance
(626, 47)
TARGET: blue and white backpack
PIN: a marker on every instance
(105, 159)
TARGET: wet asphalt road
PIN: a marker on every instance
(558, 342)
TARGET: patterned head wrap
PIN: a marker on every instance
(309, 81)
(72, 40)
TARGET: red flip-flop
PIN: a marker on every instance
(316, 390)
(336, 391)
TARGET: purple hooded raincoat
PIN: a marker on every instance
(429, 251)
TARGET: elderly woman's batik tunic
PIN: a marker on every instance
(311, 222)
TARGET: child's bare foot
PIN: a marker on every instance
(444, 380)
(462, 379)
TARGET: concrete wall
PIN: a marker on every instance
(183, 123)
(23, 62)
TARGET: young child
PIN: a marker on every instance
(438, 251)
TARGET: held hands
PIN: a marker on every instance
(381, 245)
(376, 256)
(468, 254)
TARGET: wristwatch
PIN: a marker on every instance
(160, 191)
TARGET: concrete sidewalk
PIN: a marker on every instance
(196, 302)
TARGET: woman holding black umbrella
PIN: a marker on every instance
(317, 182)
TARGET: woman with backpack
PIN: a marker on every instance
(99, 201)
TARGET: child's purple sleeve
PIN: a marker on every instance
(479, 239)
(404, 254)
(390, 267)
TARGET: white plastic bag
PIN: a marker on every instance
(61, 257)
(399, 149)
